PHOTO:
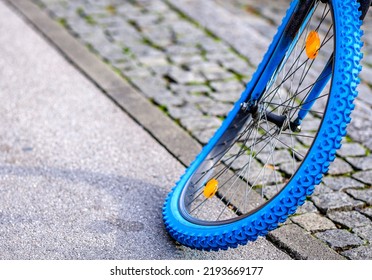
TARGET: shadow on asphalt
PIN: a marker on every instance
(125, 213)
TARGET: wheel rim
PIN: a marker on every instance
(256, 166)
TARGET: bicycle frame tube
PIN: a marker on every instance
(316, 89)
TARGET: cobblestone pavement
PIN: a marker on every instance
(192, 58)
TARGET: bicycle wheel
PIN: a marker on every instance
(279, 138)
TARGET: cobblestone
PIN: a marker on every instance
(364, 176)
(204, 135)
(307, 207)
(364, 195)
(367, 139)
(365, 232)
(150, 86)
(195, 99)
(349, 219)
(186, 60)
(361, 131)
(364, 93)
(268, 191)
(367, 212)
(301, 244)
(335, 201)
(200, 123)
(214, 109)
(322, 189)
(168, 99)
(361, 163)
(339, 239)
(360, 253)
(313, 222)
(339, 167)
(178, 113)
(230, 96)
(190, 89)
(223, 86)
(184, 77)
(351, 149)
(341, 183)
(366, 75)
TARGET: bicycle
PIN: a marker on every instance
(281, 135)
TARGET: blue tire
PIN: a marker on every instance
(222, 233)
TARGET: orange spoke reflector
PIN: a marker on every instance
(211, 188)
(312, 44)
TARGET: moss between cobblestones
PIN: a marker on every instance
(164, 109)
(111, 9)
(63, 22)
(203, 52)
(197, 84)
(116, 70)
(150, 43)
(135, 25)
(89, 19)
(91, 48)
(348, 139)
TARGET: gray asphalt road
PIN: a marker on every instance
(78, 178)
